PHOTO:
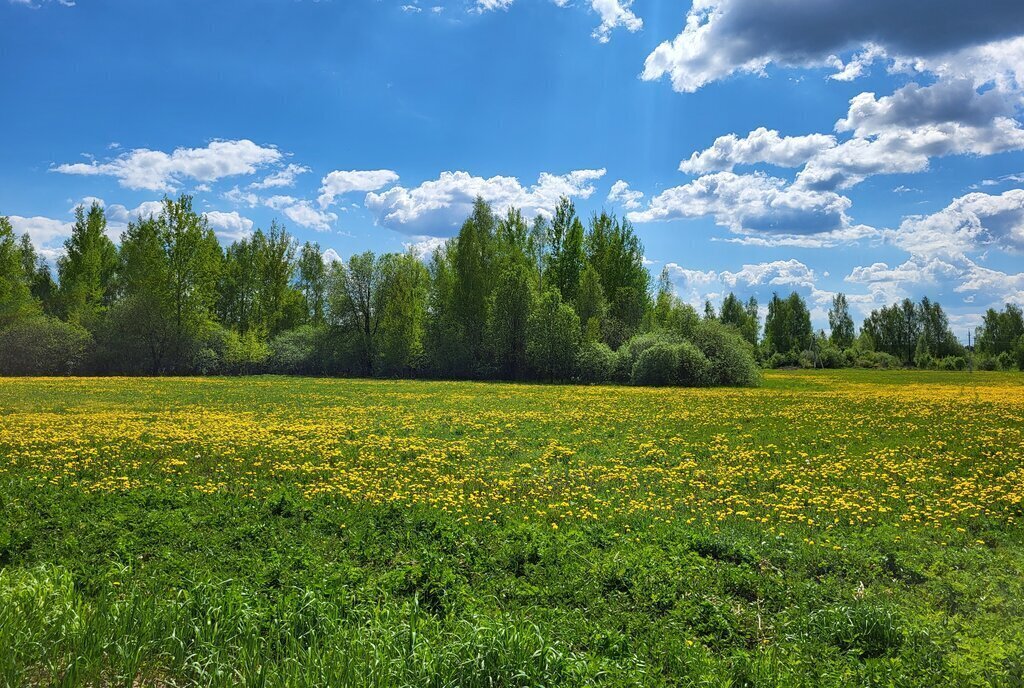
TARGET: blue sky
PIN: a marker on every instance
(833, 146)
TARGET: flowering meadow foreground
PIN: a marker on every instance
(827, 528)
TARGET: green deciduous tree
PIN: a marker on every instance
(553, 338)
(840, 322)
(16, 300)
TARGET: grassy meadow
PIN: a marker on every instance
(827, 529)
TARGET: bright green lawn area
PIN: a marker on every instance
(828, 528)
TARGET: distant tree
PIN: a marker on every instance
(400, 341)
(1000, 330)
(473, 278)
(279, 302)
(169, 267)
(613, 248)
(742, 317)
(787, 328)
(141, 328)
(840, 322)
(357, 299)
(39, 278)
(566, 259)
(510, 317)
(896, 329)
(553, 338)
(939, 339)
(86, 270)
(16, 300)
(312, 282)
(709, 310)
(591, 305)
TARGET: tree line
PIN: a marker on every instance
(506, 298)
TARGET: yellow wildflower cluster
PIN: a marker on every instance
(822, 451)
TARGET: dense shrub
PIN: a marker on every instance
(693, 367)
(656, 365)
(832, 357)
(43, 346)
(245, 354)
(876, 359)
(596, 362)
(731, 356)
(951, 363)
(628, 354)
(297, 352)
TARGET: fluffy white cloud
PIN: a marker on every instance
(331, 256)
(895, 134)
(614, 13)
(159, 171)
(722, 37)
(424, 247)
(303, 213)
(229, 226)
(42, 230)
(946, 101)
(759, 146)
(281, 178)
(766, 210)
(300, 211)
(437, 207)
(340, 182)
(969, 224)
(622, 194)
(696, 286)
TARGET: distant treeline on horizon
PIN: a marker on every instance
(505, 299)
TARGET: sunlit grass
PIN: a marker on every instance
(346, 532)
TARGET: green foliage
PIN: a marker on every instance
(553, 338)
(43, 345)
(656, 365)
(694, 369)
(212, 559)
(169, 271)
(299, 351)
(312, 282)
(510, 317)
(596, 362)
(787, 327)
(731, 356)
(15, 298)
(86, 269)
(899, 329)
(243, 353)
(741, 316)
(1000, 330)
(170, 300)
(840, 322)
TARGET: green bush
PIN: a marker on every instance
(832, 357)
(596, 362)
(627, 354)
(951, 363)
(44, 346)
(731, 356)
(656, 365)
(297, 352)
(876, 359)
(693, 368)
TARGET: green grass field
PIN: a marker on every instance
(835, 529)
